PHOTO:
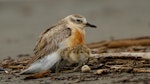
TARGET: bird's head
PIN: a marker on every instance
(77, 20)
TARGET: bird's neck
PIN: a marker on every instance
(78, 37)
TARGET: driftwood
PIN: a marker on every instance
(138, 55)
(122, 69)
(137, 62)
(143, 41)
(141, 70)
(126, 55)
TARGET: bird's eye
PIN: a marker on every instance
(79, 21)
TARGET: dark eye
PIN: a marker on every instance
(79, 21)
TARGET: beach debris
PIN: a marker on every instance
(85, 68)
(101, 71)
(124, 55)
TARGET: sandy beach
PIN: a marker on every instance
(21, 22)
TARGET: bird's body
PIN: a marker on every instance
(79, 53)
(67, 33)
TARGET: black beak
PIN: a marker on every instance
(90, 25)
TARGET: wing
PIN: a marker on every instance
(49, 41)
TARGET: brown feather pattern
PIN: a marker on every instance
(49, 41)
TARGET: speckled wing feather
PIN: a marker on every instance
(49, 41)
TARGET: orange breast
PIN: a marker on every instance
(77, 37)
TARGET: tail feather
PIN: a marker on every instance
(48, 62)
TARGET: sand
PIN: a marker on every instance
(21, 22)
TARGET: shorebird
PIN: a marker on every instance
(68, 33)
(78, 54)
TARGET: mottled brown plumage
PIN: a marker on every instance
(67, 33)
(49, 40)
(78, 54)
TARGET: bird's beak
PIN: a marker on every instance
(90, 25)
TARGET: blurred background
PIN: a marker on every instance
(21, 21)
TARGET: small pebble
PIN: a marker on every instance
(100, 71)
(6, 72)
(85, 68)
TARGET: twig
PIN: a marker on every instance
(141, 70)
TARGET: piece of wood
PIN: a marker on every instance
(136, 55)
(143, 41)
(141, 70)
(127, 43)
(16, 67)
